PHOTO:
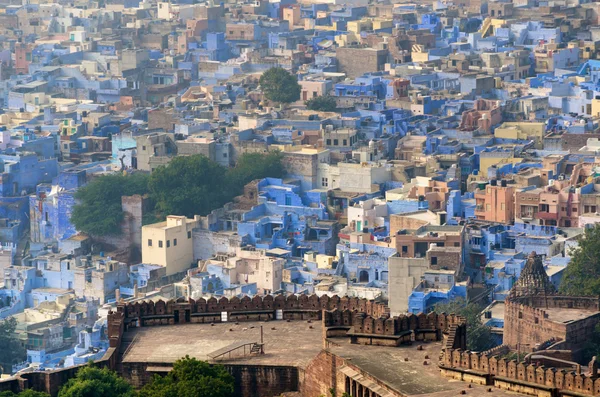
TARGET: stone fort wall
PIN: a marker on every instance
(481, 368)
(527, 321)
(363, 317)
(200, 311)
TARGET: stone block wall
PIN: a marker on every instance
(527, 322)
(514, 376)
(245, 309)
(429, 326)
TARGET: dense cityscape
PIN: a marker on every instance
(285, 198)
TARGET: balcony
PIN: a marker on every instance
(528, 216)
(547, 216)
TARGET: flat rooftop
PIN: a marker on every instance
(289, 344)
(296, 344)
(566, 315)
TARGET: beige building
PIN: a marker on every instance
(169, 243)
(404, 274)
(250, 266)
(522, 131)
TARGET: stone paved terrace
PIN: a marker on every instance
(169, 343)
(296, 344)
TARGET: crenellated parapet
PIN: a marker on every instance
(257, 308)
(486, 368)
(391, 331)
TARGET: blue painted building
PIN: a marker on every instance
(437, 286)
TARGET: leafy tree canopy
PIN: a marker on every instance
(11, 350)
(251, 166)
(479, 336)
(189, 185)
(325, 103)
(582, 276)
(191, 378)
(96, 382)
(99, 211)
(195, 185)
(279, 85)
(591, 347)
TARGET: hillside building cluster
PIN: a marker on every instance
(460, 160)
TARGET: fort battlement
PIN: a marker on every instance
(150, 313)
(486, 369)
(531, 320)
(393, 331)
(280, 307)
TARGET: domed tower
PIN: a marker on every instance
(533, 279)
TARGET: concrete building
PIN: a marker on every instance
(371, 60)
(528, 131)
(495, 203)
(169, 243)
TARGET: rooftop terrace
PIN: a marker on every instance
(297, 343)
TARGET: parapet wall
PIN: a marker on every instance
(527, 321)
(518, 376)
(386, 325)
(245, 309)
(558, 301)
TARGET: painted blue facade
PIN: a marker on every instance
(23, 172)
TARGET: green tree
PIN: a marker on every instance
(11, 350)
(25, 393)
(99, 211)
(188, 185)
(591, 347)
(95, 382)
(279, 85)
(195, 185)
(479, 336)
(191, 378)
(582, 276)
(324, 103)
(251, 166)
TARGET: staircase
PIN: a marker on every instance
(486, 27)
(256, 348)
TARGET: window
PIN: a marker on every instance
(149, 242)
(224, 155)
(488, 207)
(328, 142)
(174, 242)
(168, 243)
(160, 244)
(502, 206)
(335, 142)
(434, 262)
(405, 249)
(189, 234)
(345, 142)
(574, 209)
(324, 182)
(144, 148)
(457, 244)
